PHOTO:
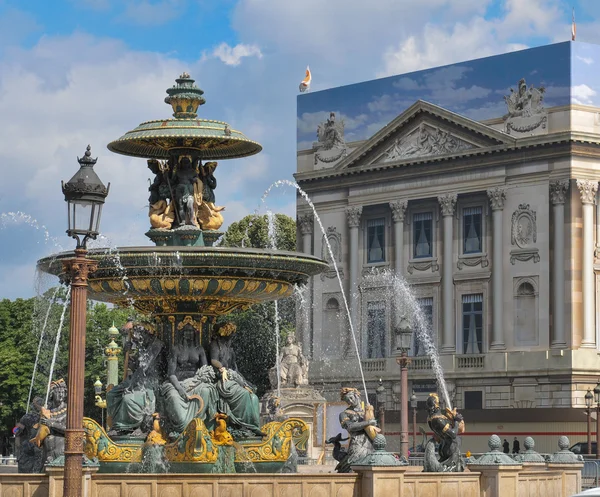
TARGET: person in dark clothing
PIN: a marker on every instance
(506, 446)
(516, 446)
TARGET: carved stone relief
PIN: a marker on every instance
(330, 145)
(524, 235)
(525, 109)
(353, 215)
(425, 141)
(305, 221)
(473, 261)
(558, 191)
(423, 266)
(335, 241)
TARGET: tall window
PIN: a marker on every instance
(375, 240)
(472, 318)
(426, 310)
(422, 239)
(375, 330)
(472, 230)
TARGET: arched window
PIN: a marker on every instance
(526, 313)
(331, 340)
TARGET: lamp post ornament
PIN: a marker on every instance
(589, 400)
(597, 398)
(85, 195)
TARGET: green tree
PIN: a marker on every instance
(254, 342)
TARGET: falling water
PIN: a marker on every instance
(37, 355)
(273, 243)
(56, 344)
(403, 298)
(22, 218)
(305, 196)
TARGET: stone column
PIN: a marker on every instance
(497, 197)
(305, 313)
(447, 204)
(353, 214)
(558, 190)
(588, 189)
(398, 210)
(305, 221)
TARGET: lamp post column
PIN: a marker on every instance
(76, 271)
(589, 431)
(403, 361)
(413, 404)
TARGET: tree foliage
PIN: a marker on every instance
(254, 342)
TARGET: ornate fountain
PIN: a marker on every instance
(182, 400)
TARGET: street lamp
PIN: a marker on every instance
(597, 398)
(589, 400)
(380, 391)
(99, 402)
(85, 195)
(413, 404)
(403, 339)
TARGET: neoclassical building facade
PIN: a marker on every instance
(494, 224)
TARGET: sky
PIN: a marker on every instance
(79, 72)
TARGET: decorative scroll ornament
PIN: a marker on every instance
(425, 141)
(525, 110)
(497, 196)
(524, 226)
(558, 191)
(353, 214)
(305, 221)
(398, 210)
(473, 261)
(447, 203)
(76, 271)
(188, 320)
(331, 145)
(424, 266)
(587, 189)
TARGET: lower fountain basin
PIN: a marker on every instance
(206, 280)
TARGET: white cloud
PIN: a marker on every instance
(585, 60)
(582, 94)
(232, 56)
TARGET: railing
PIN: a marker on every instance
(420, 363)
(8, 460)
(373, 365)
(470, 361)
(590, 474)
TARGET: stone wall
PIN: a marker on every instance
(403, 481)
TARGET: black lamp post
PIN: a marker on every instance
(380, 391)
(413, 404)
(597, 399)
(85, 195)
(589, 400)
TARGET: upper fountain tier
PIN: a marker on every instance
(162, 139)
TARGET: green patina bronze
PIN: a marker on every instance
(182, 402)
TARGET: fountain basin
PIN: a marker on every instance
(206, 280)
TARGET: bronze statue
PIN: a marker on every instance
(208, 214)
(53, 423)
(446, 427)
(361, 426)
(220, 348)
(185, 178)
(29, 455)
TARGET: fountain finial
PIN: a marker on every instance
(185, 97)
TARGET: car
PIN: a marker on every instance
(591, 492)
(581, 448)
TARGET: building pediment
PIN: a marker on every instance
(424, 131)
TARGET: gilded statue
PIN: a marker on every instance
(446, 425)
(161, 211)
(208, 214)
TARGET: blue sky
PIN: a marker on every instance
(74, 72)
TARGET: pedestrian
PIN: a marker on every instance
(506, 446)
(516, 446)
